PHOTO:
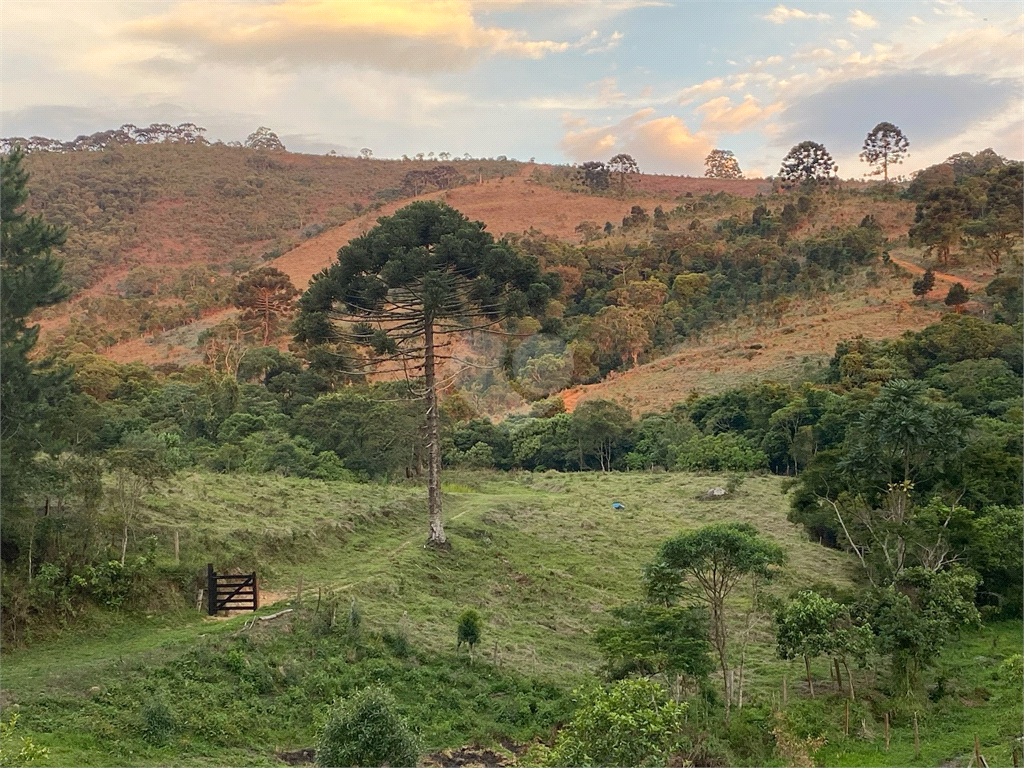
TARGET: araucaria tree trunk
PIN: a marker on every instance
(436, 537)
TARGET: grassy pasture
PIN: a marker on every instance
(542, 557)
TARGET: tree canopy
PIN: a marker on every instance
(30, 277)
(425, 270)
(884, 145)
(722, 164)
(806, 163)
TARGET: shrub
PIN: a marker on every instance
(469, 628)
(158, 721)
(718, 453)
(630, 724)
(365, 729)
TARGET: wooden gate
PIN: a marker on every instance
(237, 592)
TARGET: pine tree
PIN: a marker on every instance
(30, 277)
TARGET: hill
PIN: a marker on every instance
(542, 557)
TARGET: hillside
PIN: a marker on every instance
(542, 557)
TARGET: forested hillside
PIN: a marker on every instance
(730, 564)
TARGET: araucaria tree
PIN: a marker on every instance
(708, 564)
(403, 287)
(885, 145)
(623, 164)
(266, 296)
(807, 163)
(722, 164)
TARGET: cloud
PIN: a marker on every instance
(666, 144)
(659, 144)
(610, 44)
(688, 95)
(916, 20)
(929, 108)
(862, 20)
(781, 14)
(988, 50)
(950, 8)
(721, 116)
(816, 54)
(403, 35)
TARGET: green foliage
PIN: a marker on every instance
(159, 722)
(365, 729)
(915, 617)
(957, 296)
(27, 751)
(30, 277)
(718, 453)
(469, 629)
(884, 145)
(807, 163)
(632, 723)
(646, 639)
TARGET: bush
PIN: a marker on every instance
(158, 721)
(718, 453)
(630, 724)
(366, 730)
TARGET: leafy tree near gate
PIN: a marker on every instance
(708, 564)
(423, 272)
(30, 277)
(885, 145)
(722, 164)
(807, 163)
(266, 296)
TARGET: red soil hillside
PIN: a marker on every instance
(516, 204)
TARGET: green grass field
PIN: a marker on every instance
(542, 557)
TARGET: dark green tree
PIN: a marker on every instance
(957, 297)
(807, 163)
(707, 565)
(596, 175)
(647, 639)
(600, 427)
(924, 285)
(885, 145)
(469, 630)
(30, 277)
(406, 286)
(939, 221)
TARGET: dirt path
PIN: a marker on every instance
(916, 269)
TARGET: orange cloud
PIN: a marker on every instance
(392, 34)
(720, 115)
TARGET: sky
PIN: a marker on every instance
(560, 81)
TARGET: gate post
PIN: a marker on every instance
(211, 590)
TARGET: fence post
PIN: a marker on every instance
(211, 590)
(917, 738)
(255, 592)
